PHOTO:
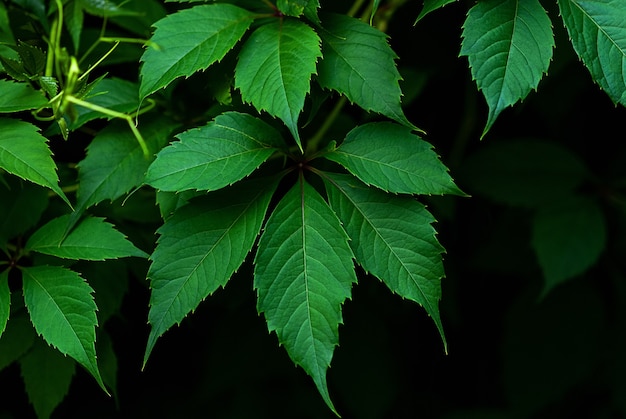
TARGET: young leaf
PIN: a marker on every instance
(92, 239)
(15, 97)
(115, 161)
(303, 273)
(292, 7)
(598, 35)
(200, 247)
(191, 40)
(393, 238)
(509, 45)
(21, 206)
(216, 155)
(359, 64)
(568, 236)
(62, 310)
(47, 377)
(5, 300)
(275, 67)
(393, 159)
(430, 6)
(24, 153)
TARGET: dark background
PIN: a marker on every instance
(511, 354)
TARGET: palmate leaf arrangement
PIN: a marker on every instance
(308, 209)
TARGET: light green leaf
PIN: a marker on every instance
(111, 93)
(303, 273)
(393, 238)
(17, 338)
(15, 97)
(189, 41)
(310, 11)
(47, 377)
(91, 239)
(292, 7)
(509, 46)
(430, 6)
(115, 161)
(568, 237)
(275, 67)
(21, 206)
(215, 155)
(5, 300)
(393, 159)
(359, 63)
(24, 153)
(200, 247)
(524, 172)
(598, 35)
(62, 310)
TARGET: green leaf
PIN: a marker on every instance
(303, 273)
(15, 97)
(509, 46)
(215, 155)
(104, 8)
(17, 338)
(598, 35)
(21, 206)
(524, 172)
(62, 310)
(111, 93)
(430, 6)
(292, 7)
(74, 18)
(393, 238)
(200, 247)
(568, 237)
(115, 161)
(191, 40)
(5, 300)
(91, 239)
(24, 153)
(310, 11)
(169, 202)
(275, 67)
(393, 159)
(47, 377)
(359, 64)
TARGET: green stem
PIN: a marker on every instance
(355, 8)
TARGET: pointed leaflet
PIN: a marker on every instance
(115, 161)
(392, 238)
(509, 45)
(200, 247)
(275, 67)
(598, 34)
(24, 153)
(92, 239)
(16, 97)
(47, 377)
(393, 159)
(303, 274)
(5, 299)
(216, 155)
(359, 63)
(62, 310)
(189, 41)
(431, 5)
(568, 237)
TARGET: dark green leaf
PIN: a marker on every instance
(359, 64)
(303, 273)
(598, 34)
(16, 97)
(5, 300)
(568, 237)
(275, 67)
(216, 155)
(17, 338)
(24, 153)
(62, 310)
(509, 45)
(430, 6)
(189, 41)
(91, 239)
(110, 282)
(393, 238)
(200, 247)
(21, 206)
(393, 159)
(47, 377)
